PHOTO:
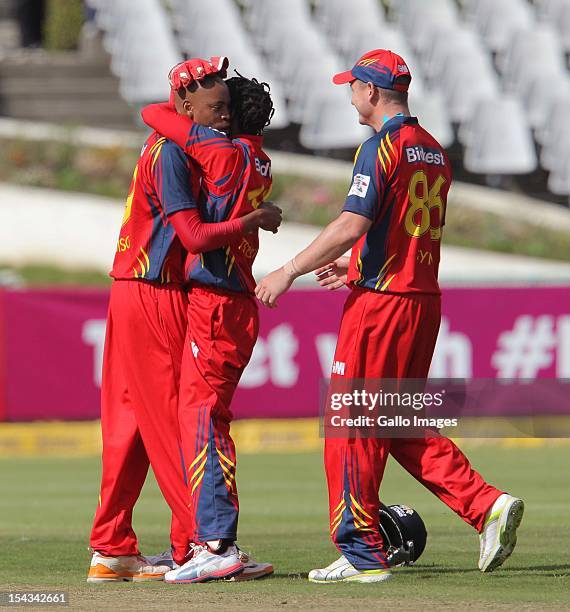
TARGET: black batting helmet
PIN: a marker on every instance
(404, 534)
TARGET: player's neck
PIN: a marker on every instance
(385, 114)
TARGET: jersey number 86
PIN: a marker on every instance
(426, 206)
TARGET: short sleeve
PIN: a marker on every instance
(364, 194)
(173, 179)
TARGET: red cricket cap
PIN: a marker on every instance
(380, 67)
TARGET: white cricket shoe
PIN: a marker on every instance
(205, 565)
(164, 558)
(252, 570)
(499, 535)
(126, 568)
(342, 571)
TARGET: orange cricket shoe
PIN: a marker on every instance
(126, 568)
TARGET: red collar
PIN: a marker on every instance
(255, 140)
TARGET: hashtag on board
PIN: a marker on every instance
(527, 348)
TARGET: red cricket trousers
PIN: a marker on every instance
(146, 327)
(219, 343)
(392, 336)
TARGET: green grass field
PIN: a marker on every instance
(46, 507)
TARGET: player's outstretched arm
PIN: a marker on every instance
(216, 155)
(329, 245)
(199, 237)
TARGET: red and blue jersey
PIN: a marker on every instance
(164, 182)
(400, 182)
(236, 179)
(237, 194)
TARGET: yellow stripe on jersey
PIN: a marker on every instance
(155, 150)
(390, 144)
(233, 260)
(387, 283)
(383, 270)
(359, 265)
(357, 153)
(147, 259)
(156, 156)
(385, 151)
(129, 202)
(381, 160)
(143, 269)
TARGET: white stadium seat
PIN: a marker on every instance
(265, 17)
(556, 135)
(555, 155)
(557, 13)
(332, 122)
(430, 109)
(539, 97)
(531, 53)
(142, 68)
(449, 41)
(466, 80)
(559, 178)
(418, 19)
(343, 22)
(495, 69)
(501, 142)
(496, 20)
(202, 34)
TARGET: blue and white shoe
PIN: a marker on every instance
(206, 565)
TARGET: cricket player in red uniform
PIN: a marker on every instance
(392, 219)
(223, 319)
(146, 329)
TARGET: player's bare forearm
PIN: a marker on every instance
(330, 244)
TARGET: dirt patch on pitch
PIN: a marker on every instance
(187, 597)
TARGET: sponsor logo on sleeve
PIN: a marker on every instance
(419, 154)
(263, 167)
(360, 185)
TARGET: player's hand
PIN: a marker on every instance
(272, 286)
(334, 275)
(270, 217)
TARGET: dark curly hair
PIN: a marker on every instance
(252, 106)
